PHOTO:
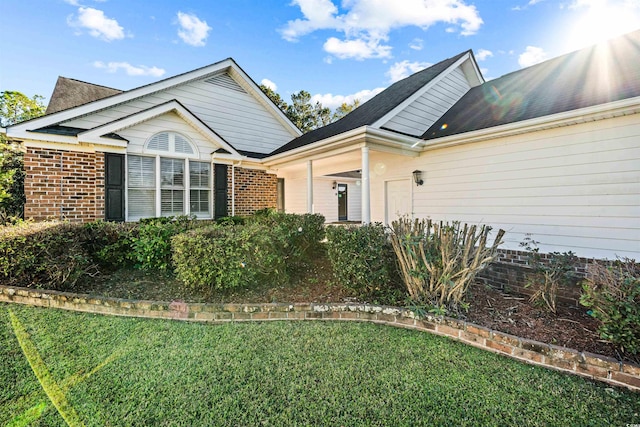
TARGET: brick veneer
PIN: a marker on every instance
(64, 185)
(564, 359)
(254, 190)
(510, 271)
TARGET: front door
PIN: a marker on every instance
(342, 202)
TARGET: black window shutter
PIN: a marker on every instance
(114, 187)
(220, 193)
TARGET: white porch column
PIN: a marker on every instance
(309, 186)
(366, 191)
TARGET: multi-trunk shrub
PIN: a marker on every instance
(362, 259)
(613, 295)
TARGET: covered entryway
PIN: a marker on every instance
(342, 202)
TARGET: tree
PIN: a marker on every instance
(15, 107)
(305, 115)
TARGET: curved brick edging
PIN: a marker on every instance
(564, 359)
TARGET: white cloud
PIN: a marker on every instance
(366, 24)
(334, 101)
(268, 83)
(400, 70)
(131, 70)
(357, 49)
(483, 54)
(531, 56)
(97, 24)
(416, 44)
(193, 31)
(72, 2)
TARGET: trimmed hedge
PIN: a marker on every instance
(362, 259)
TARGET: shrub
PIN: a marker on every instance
(110, 243)
(439, 261)
(297, 237)
(227, 257)
(151, 249)
(613, 295)
(44, 255)
(548, 276)
(362, 258)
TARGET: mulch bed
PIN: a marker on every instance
(571, 326)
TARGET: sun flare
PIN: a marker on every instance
(600, 20)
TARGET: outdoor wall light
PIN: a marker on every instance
(417, 177)
(335, 184)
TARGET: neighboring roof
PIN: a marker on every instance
(374, 109)
(70, 93)
(596, 75)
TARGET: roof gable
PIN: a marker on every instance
(596, 75)
(69, 93)
(377, 107)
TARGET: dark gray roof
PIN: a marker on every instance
(70, 93)
(72, 131)
(374, 109)
(592, 76)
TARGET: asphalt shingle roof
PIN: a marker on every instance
(596, 75)
(374, 109)
(70, 93)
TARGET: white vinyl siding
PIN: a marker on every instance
(417, 117)
(325, 198)
(237, 116)
(574, 188)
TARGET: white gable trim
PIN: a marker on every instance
(228, 65)
(400, 107)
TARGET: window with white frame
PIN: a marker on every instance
(167, 179)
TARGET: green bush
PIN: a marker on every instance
(151, 249)
(362, 258)
(110, 244)
(227, 257)
(613, 295)
(47, 255)
(297, 237)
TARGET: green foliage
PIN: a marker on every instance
(362, 258)
(151, 249)
(44, 255)
(110, 244)
(548, 275)
(613, 295)
(226, 257)
(15, 107)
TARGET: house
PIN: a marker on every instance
(552, 150)
(190, 144)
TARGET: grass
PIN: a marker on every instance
(137, 372)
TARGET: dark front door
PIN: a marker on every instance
(342, 202)
(114, 187)
(220, 193)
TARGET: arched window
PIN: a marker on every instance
(168, 180)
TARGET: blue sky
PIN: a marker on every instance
(336, 50)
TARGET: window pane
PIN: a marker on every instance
(159, 142)
(199, 202)
(141, 171)
(171, 202)
(172, 173)
(199, 173)
(142, 203)
(181, 145)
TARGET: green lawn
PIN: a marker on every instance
(109, 371)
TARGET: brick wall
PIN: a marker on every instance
(65, 185)
(255, 189)
(510, 272)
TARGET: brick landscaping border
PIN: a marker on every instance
(563, 359)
